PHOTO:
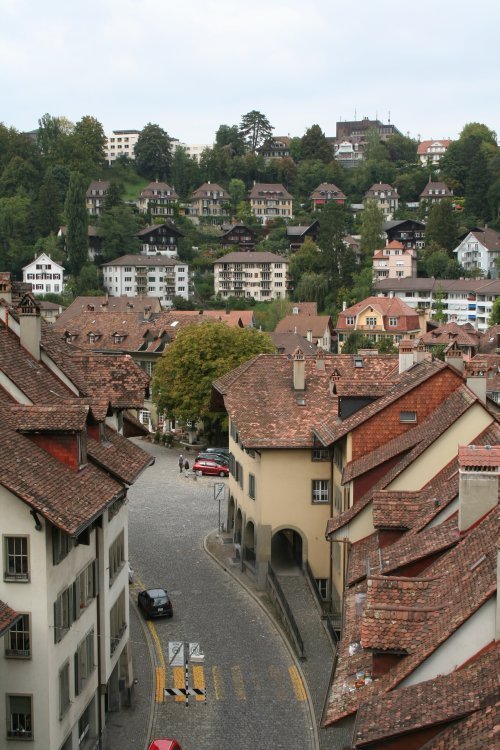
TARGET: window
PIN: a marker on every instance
(116, 556)
(86, 585)
(407, 416)
(63, 689)
(393, 321)
(17, 641)
(320, 490)
(320, 454)
(251, 486)
(371, 321)
(84, 661)
(350, 320)
(19, 709)
(337, 457)
(64, 613)
(322, 585)
(16, 558)
(61, 544)
(84, 725)
(118, 623)
(239, 474)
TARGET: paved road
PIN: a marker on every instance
(254, 694)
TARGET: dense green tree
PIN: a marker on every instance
(77, 225)
(230, 136)
(268, 317)
(495, 313)
(441, 226)
(210, 350)
(19, 177)
(255, 129)
(88, 142)
(402, 150)
(113, 196)
(153, 153)
(52, 137)
(118, 228)
(15, 234)
(372, 222)
(338, 259)
(314, 145)
(477, 207)
(356, 341)
(361, 287)
(49, 206)
(185, 173)
(312, 287)
(307, 259)
(216, 165)
(438, 313)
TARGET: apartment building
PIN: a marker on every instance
(385, 196)
(211, 201)
(154, 276)
(479, 250)
(121, 143)
(394, 261)
(270, 201)
(64, 471)
(263, 276)
(378, 318)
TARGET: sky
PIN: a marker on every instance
(428, 66)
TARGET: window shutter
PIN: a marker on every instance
(75, 592)
(96, 577)
(57, 621)
(77, 673)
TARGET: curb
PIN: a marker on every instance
(151, 653)
(280, 632)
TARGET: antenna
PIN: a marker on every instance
(389, 115)
(354, 114)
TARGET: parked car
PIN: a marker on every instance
(164, 745)
(211, 467)
(213, 456)
(155, 603)
(220, 451)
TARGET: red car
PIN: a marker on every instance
(210, 466)
(164, 745)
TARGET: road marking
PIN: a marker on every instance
(218, 681)
(298, 686)
(158, 648)
(199, 680)
(179, 682)
(239, 687)
(160, 685)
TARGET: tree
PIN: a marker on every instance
(153, 152)
(230, 135)
(438, 312)
(372, 222)
(307, 259)
(113, 196)
(314, 145)
(76, 220)
(441, 226)
(355, 341)
(118, 228)
(88, 142)
(237, 192)
(269, 316)
(255, 129)
(312, 287)
(185, 173)
(201, 353)
(495, 313)
(477, 206)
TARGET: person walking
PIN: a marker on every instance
(186, 466)
(181, 463)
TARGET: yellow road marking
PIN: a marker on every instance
(199, 680)
(159, 652)
(239, 686)
(298, 686)
(179, 682)
(218, 683)
(160, 685)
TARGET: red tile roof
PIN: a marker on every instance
(69, 417)
(106, 304)
(430, 703)
(302, 324)
(479, 731)
(423, 146)
(479, 457)
(8, 618)
(268, 190)
(118, 456)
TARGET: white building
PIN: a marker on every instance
(44, 275)
(194, 150)
(430, 152)
(480, 250)
(121, 143)
(67, 661)
(464, 300)
(155, 276)
(263, 276)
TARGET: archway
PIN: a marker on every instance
(286, 551)
(238, 526)
(231, 510)
(249, 543)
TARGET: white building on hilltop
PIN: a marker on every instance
(121, 143)
(44, 275)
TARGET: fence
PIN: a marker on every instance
(286, 612)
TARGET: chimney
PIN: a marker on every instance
(405, 355)
(320, 360)
(309, 335)
(453, 356)
(476, 379)
(419, 353)
(147, 312)
(344, 305)
(30, 324)
(479, 468)
(334, 379)
(299, 370)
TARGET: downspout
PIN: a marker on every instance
(331, 542)
(100, 718)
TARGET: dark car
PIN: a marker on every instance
(213, 457)
(220, 451)
(155, 603)
(211, 466)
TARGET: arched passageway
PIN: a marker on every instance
(286, 551)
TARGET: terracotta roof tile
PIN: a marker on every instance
(119, 456)
(427, 704)
(62, 418)
(262, 188)
(479, 731)
(484, 457)
(8, 618)
(106, 304)
(452, 333)
(302, 324)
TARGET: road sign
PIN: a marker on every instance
(219, 491)
(195, 653)
(176, 653)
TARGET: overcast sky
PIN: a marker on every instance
(192, 65)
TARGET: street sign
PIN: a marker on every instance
(176, 653)
(219, 491)
(195, 653)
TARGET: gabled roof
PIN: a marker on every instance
(118, 456)
(444, 699)
(154, 228)
(251, 257)
(324, 188)
(452, 332)
(67, 417)
(150, 190)
(435, 190)
(97, 185)
(488, 237)
(478, 731)
(135, 260)
(8, 618)
(211, 187)
(386, 306)
(274, 189)
(424, 146)
(106, 304)
(379, 187)
(287, 343)
(302, 324)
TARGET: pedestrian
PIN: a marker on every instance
(181, 463)
(186, 465)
